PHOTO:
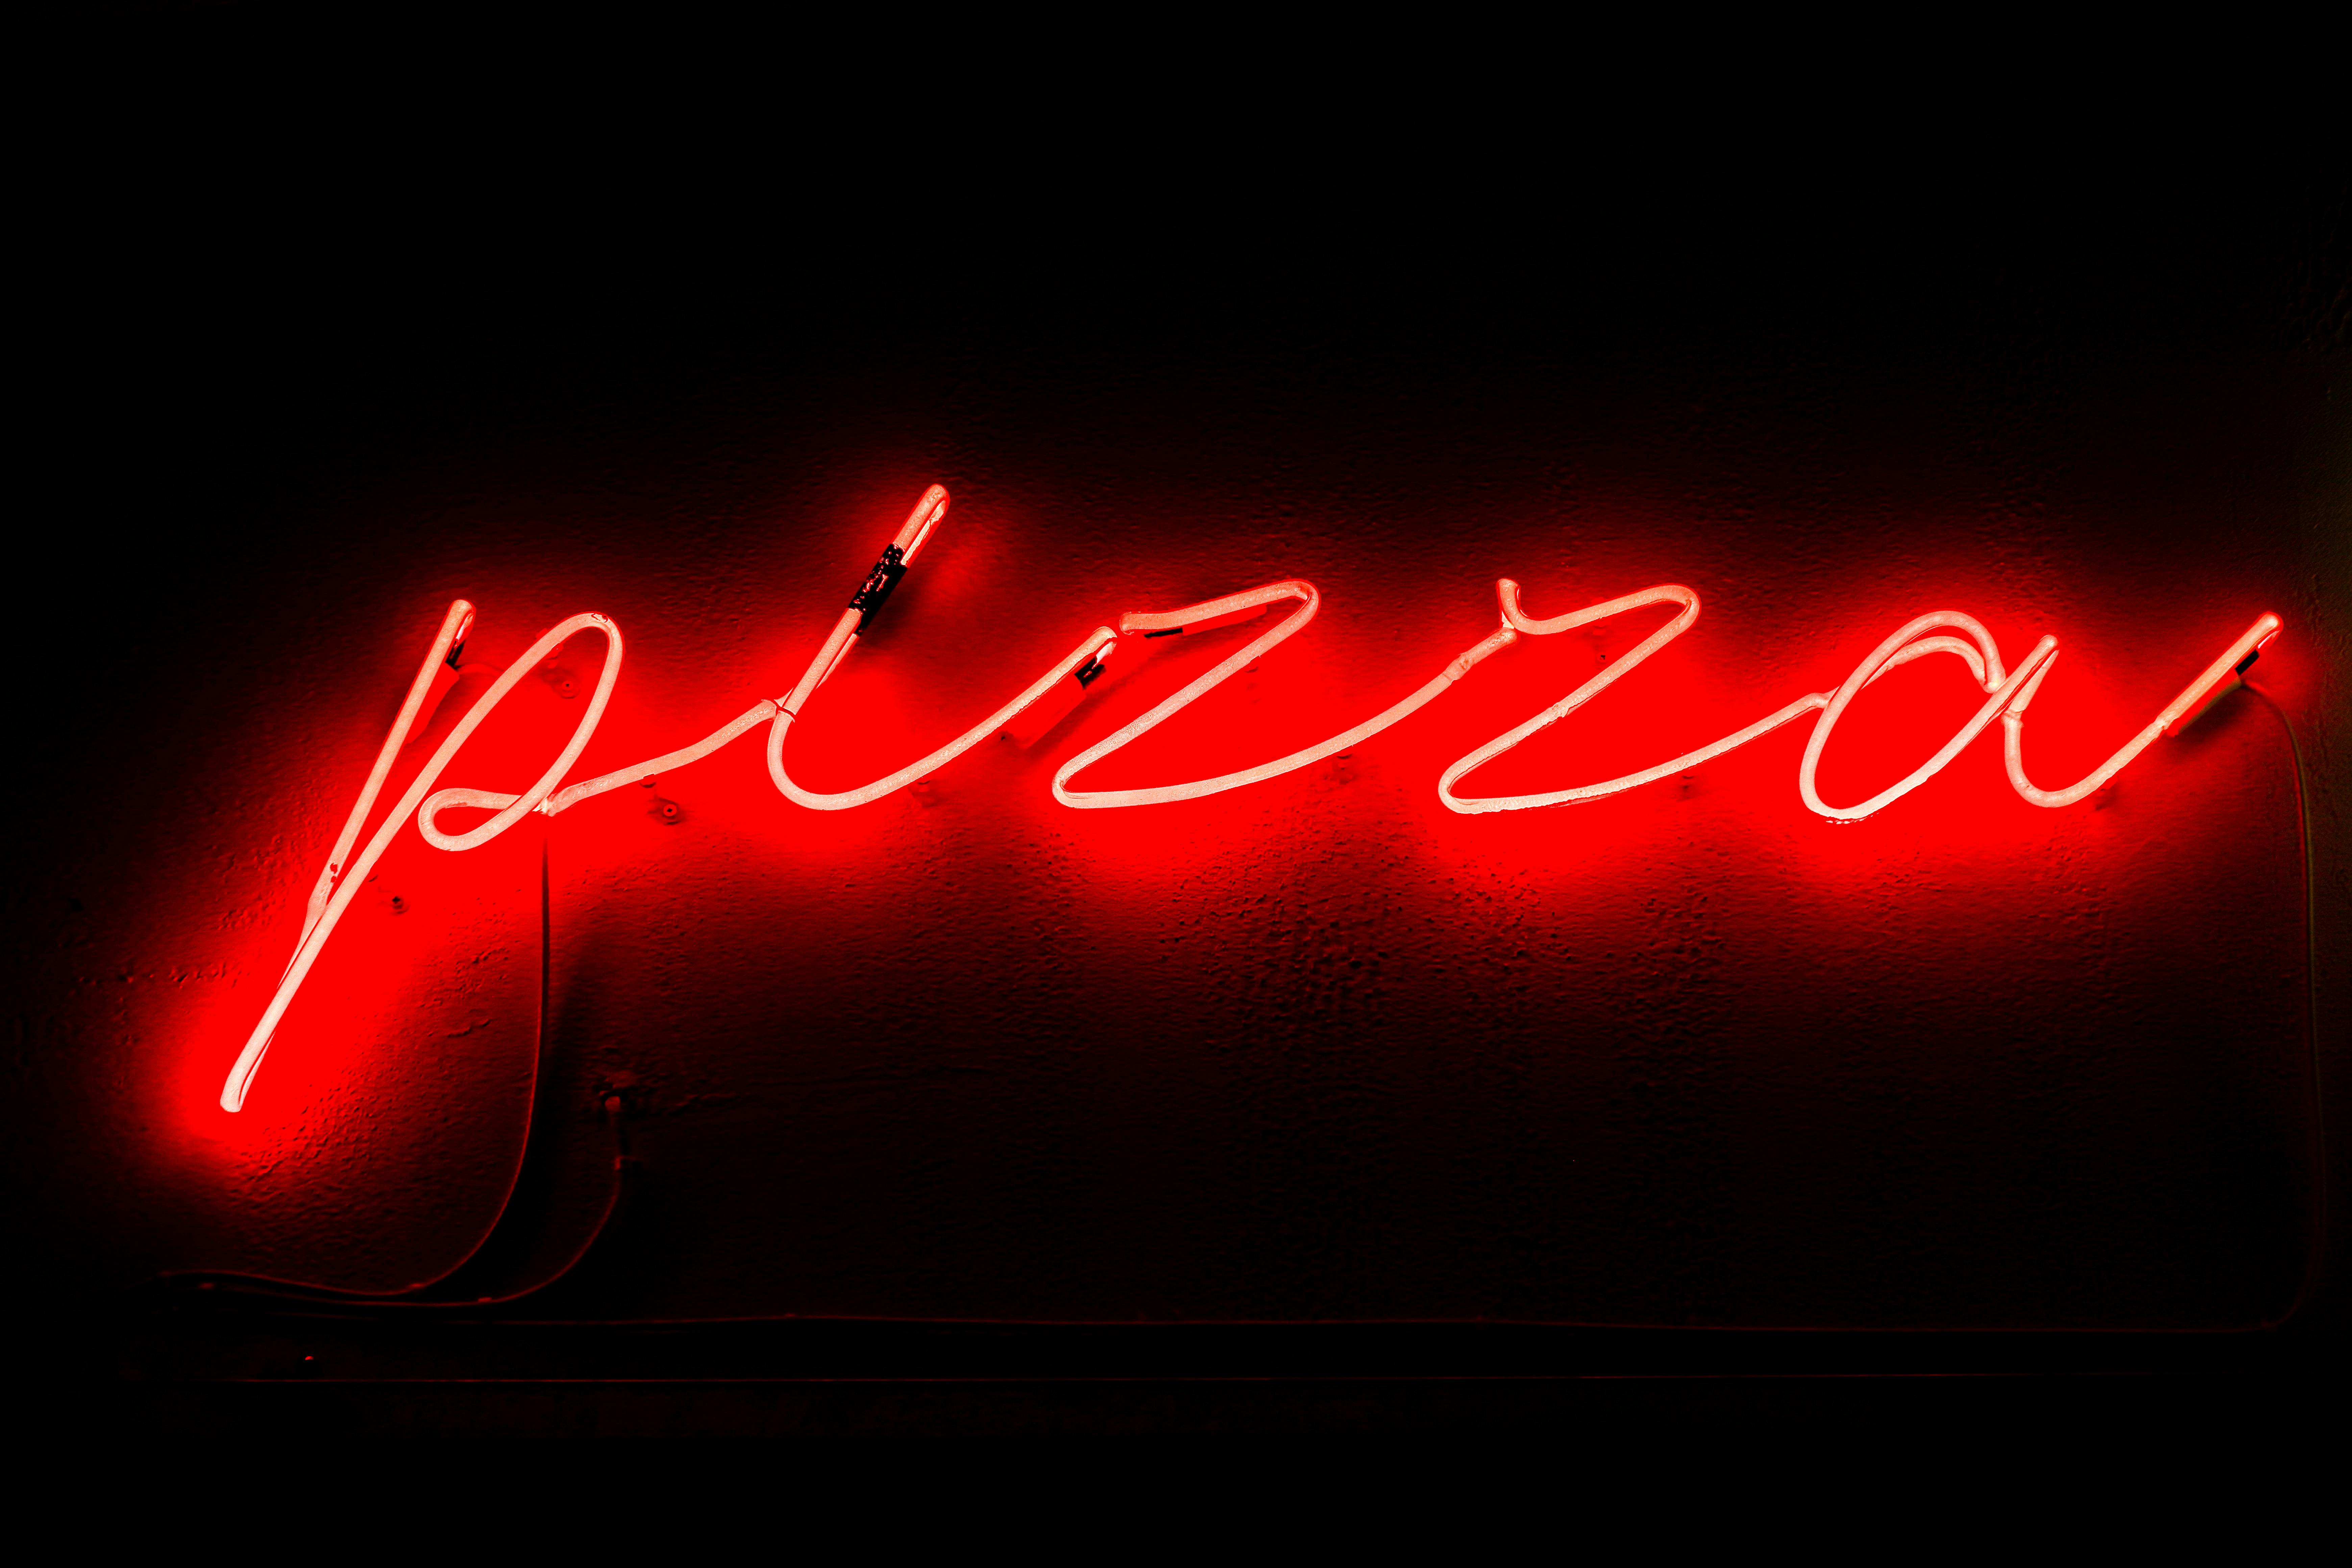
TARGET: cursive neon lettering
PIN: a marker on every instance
(2009, 694)
(345, 880)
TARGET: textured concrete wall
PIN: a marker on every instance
(1316, 1049)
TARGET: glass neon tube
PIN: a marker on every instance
(1885, 658)
(2009, 693)
(1219, 611)
(2008, 696)
(2170, 721)
(344, 881)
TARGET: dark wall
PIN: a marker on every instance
(318, 351)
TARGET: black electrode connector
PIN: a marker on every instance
(1093, 668)
(2246, 663)
(879, 584)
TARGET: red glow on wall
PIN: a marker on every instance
(1996, 694)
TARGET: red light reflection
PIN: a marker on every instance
(1915, 708)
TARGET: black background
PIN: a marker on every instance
(262, 252)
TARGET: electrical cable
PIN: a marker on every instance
(419, 1297)
(2316, 1148)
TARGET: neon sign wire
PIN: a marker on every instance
(2008, 692)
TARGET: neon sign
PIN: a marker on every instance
(2009, 694)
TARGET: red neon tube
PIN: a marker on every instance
(345, 880)
(2214, 678)
(2008, 695)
